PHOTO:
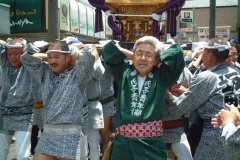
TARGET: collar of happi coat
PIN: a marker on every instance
(138, 101)
(218, 67)
(68, 69)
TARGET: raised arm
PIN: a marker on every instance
(3, 42)
(75, 52)
(172, 64)
(78, 45)
(35, 66)
(85, 62)
(114, 60)
(128, 53)
(98, 69)
(43, 56)
(3, 54)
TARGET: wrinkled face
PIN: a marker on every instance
(58, 61)
(13, 55)
(144, 59)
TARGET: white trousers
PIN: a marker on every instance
(22, 143)
(83, 149)
(182, 150)
(93, 141)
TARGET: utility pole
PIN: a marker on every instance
(53, 20)
(212, 19)
(193, 24)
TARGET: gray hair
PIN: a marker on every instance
(151, 41)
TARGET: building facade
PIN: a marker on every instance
(29, 19)
(225, 17)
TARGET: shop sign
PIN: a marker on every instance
(220, 32)
(25, 15)
(64, 15)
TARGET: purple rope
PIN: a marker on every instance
(170, 28)
(98, 20)
(156, 28)
(100, 5)
(170, 23)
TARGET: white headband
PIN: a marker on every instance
(219, 47)
(59, 51)
(24, 42)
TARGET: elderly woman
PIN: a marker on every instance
(141, 96)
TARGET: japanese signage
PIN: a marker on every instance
(82, 20)
(220, 32)
(25, 15)
(186, 29)
(91, 21)
(74, 21)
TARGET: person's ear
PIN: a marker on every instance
(68, 57)
(210, 55)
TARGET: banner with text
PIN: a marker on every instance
(25, 15)
(82, 20)
(220, 32)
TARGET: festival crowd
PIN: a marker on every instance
(168, 100)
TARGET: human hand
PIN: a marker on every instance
(214, 122)
(232, 63)
(3, 42)
(234, 113)
(98, 46)
(78, 45)
(200, 52)
(230, 115)
(177, 89)
(74, 52)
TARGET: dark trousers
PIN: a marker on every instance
(34, 138)
(194, 135)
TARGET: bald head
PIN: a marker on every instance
(15, 50)
(15, 42)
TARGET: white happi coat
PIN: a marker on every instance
(67, 102)
(206, 96)
(17, 91)
(177, 134)
(231, 141)
(95, 112)
(64, 102)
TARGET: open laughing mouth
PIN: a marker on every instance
(142, 65)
